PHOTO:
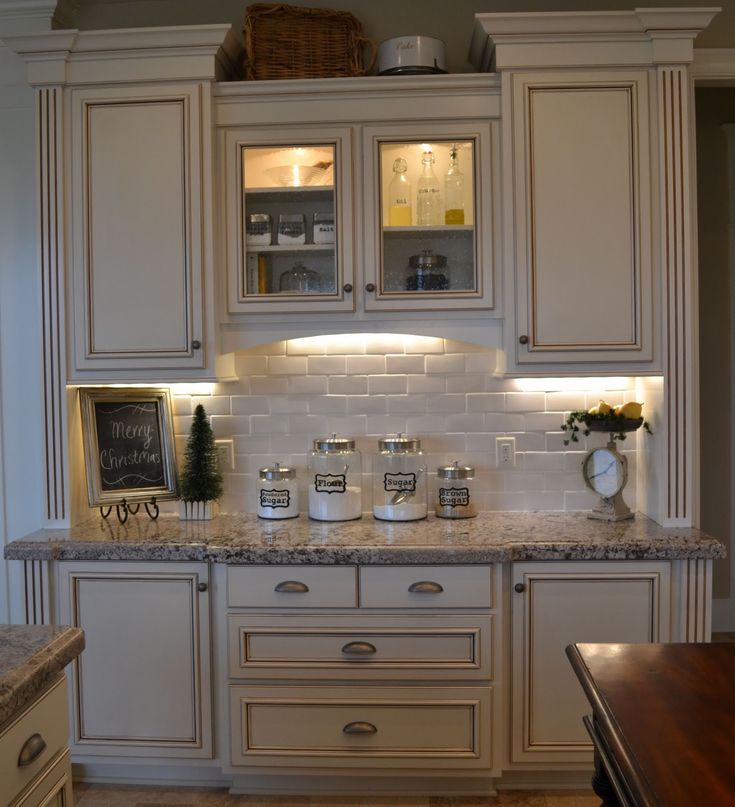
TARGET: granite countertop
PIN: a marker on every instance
(31, 656)
(491, 537)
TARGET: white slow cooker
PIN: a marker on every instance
(410, 55)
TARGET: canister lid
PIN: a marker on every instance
(257, 218)
(277, 473)
(334, 444)
(427, 259)
(399, 443)
(455, 471)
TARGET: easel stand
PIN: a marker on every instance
(124, 509)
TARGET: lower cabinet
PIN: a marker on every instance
(555, 604)
(141, 688)
(403, 681)
(34, 758)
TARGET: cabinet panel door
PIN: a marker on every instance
(584, 277)
(137, 225)
(565, 603)
(141, 687)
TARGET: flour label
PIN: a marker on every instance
(330, 483)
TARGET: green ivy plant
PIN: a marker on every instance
(617, 425)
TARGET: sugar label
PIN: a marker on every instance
(454, 497)
(396, 482)
(275, 498)
(330, 483)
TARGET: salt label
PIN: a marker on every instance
(397, 482)
(330, 483)
(275, 498)
(454, 497)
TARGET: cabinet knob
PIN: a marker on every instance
(359, 649)
(359, 727)
(347, 288)
(523, 339)
(32, 749)
(201, 586)
(520, 587)
(426, 587)
(370, 287)
(291, 587)
(196, 344)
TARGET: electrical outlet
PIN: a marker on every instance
(225, 454)
(505, 452)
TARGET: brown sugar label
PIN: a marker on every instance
(397, 482)
(330, 483)
(275, 498)
(454, 497)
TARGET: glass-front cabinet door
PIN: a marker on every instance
(289, 222)
(430, 209)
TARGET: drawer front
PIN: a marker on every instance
(52, 787)
(291, 587)
(45, 721)
(444, 727)
(352, 647)
(426, 587)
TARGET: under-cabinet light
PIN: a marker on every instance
(586, 384)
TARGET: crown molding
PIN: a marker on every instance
(194, 52)
(645, 36)
(714, 66)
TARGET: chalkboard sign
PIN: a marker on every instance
(128, 445)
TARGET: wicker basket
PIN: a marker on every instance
(290, 42)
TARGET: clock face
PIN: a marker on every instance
(604, 472)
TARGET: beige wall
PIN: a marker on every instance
(382, 19)
(715, 107)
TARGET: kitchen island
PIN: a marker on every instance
(34, 755)
(363, 656)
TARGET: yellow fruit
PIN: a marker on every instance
(632, 410)
(602, 408)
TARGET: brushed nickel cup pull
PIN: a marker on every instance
(520, 587)
(359, 649)
(291, 587)
(359, 727)
(32, 749)
(426, 587)
(523, 339)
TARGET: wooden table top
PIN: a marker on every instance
(667, 712)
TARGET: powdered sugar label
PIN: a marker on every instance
(275, 498)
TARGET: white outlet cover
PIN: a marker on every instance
(505, 452)
(226, 454)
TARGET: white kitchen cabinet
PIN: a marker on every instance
(556, 604)
(34, 757)
(142, 686)
(329, 147)
(582, 205)
(138, 218)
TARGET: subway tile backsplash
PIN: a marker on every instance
(367, 386)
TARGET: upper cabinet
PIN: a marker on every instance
(138, 257)
(582, 207)
(359, 196)
(289, 220)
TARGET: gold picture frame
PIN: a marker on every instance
(128, 444)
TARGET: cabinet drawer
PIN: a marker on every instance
(426, 587)
(52, 787)
(45, 717)
(291, 587)
(358, 646)
(361, 726)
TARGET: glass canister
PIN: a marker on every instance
(399, 480)
(278, 495)
(455, 491)
(335, 476)
(428, 272)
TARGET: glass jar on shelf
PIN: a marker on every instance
(291, 229)
(300, 280)
(335, 479)
(455, 491)
(400, 207)
(454, 190)
(399, 480)
(277, 492)
(426, 272)
(258, 230)
(429, 208)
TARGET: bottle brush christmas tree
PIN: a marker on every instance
(200, 480)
